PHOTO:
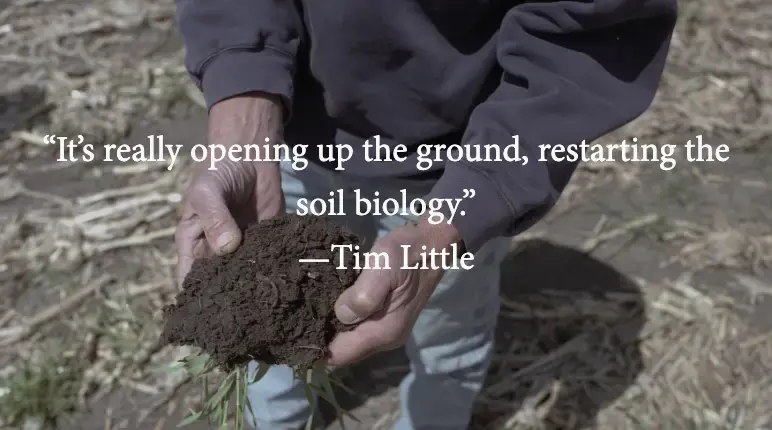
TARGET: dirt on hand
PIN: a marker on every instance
(261, 303)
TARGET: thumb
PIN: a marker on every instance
(220, 228)
(365, 297)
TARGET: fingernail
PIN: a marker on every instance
(224, 240)
(346, 315)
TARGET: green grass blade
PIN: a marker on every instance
(224, 416)
(338, 383)
(223, 394)
(325, 395)
(310, 397)
(262, 369)
(195, 364)
(169, 368)
(195, 416)
(206, 387)
(327, 386)
(237, 405)
(251, 411)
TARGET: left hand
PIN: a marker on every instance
(386, 302)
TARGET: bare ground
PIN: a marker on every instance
(642, 302)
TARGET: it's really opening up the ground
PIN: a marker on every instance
(261, 303)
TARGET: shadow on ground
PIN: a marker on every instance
(567, 343)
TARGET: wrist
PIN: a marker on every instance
(247, 119)
(442, 235)
(258, 99)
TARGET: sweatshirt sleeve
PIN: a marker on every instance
(572, 72)
(238, 46)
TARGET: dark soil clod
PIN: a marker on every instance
(260, 302)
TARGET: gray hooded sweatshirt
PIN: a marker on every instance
(441, 72)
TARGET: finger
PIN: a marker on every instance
(191, 245)
(353, 346)
(270, 197)
(365, 297)
(220, 229)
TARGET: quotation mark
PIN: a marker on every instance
(52, 139)
(468, 194)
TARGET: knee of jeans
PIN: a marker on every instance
(277, 419)
(277, 405)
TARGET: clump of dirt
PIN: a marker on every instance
(262, 303)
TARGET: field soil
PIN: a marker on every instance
(261, 302)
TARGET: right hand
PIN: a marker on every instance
(218, 204)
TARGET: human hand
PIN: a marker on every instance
(387, 302)
(219, 203)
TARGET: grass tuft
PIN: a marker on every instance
(40, 393)
(230, 402)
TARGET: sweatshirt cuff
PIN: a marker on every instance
(232, 73)
(481, 218)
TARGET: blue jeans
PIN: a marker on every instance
(451, 344)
